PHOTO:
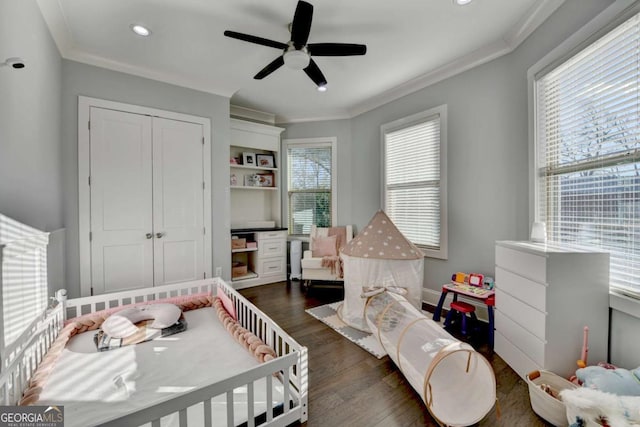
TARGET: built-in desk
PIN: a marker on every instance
(265, 259)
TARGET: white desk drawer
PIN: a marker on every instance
(273, 267)
(525, 264)
(272, 235)
(516, 359)
(525, 315)
(272, 248)
(527, 342)
(527, 290)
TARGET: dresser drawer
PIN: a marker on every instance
(272, 235)
(272, 248)
(525, 264)
(515, 358)
(528, 343)
(533, 293)
(273, 267)
(528, 317)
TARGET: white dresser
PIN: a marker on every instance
(272, 255)
(545, 296)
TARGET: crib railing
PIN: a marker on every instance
(291, 366)
(24, 356)
(87, 305)
(291, 410)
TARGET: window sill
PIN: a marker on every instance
(624, 304)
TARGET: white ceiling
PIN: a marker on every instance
(410, 44)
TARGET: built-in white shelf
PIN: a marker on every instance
(249, 275)
(243, 187)
(235, 251)
(234, 166)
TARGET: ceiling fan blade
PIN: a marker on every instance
(254, 39)
(315, 74)
(336, 49)
(301, 25)
(274, 65)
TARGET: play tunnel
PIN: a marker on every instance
(456, 383)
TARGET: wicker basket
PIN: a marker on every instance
(548, 407)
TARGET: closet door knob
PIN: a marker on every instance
(149, 235)
(159, 235)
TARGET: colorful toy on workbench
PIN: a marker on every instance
(460, 278)
(473, 279)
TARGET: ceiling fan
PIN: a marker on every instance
(297, 53)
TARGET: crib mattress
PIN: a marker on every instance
(96, 387)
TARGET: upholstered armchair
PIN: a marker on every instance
(322, 260)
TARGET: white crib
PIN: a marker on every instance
(21, 357)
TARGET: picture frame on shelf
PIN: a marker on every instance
(249, 159)
(265, 160)
(252, 180)
(233, 180)
(266, 180)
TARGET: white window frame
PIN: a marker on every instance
(610, 18)
(328, 141)
(441, 111)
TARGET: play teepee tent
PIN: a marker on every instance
(379, 257)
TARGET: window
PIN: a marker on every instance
(310, 183)
(588, 151)
(415, 184)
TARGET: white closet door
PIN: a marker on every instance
(178, 201)
(121, 201)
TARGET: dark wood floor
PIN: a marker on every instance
(350, 387)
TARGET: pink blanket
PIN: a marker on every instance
(334, 262)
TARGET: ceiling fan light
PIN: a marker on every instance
(140, 30)
(296, 59)
(322, 88)
(462, 2)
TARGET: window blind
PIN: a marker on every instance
(309, 187)
(412, 181)
(588, 146)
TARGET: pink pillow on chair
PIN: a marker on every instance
(324, 246)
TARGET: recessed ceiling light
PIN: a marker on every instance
(322, 88)
(462, 2)
(140, 30)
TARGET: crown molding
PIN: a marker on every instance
(507, 44)
(286, 119)
(98, 61)
(458, 66)
(531, 20)
(55, 19)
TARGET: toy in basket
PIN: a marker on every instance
(544, 392)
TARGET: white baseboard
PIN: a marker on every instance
(431, 297)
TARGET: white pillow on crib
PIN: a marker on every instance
(122, 323)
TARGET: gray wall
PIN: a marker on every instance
(81, 79)
(488, 160)
(30, 154)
